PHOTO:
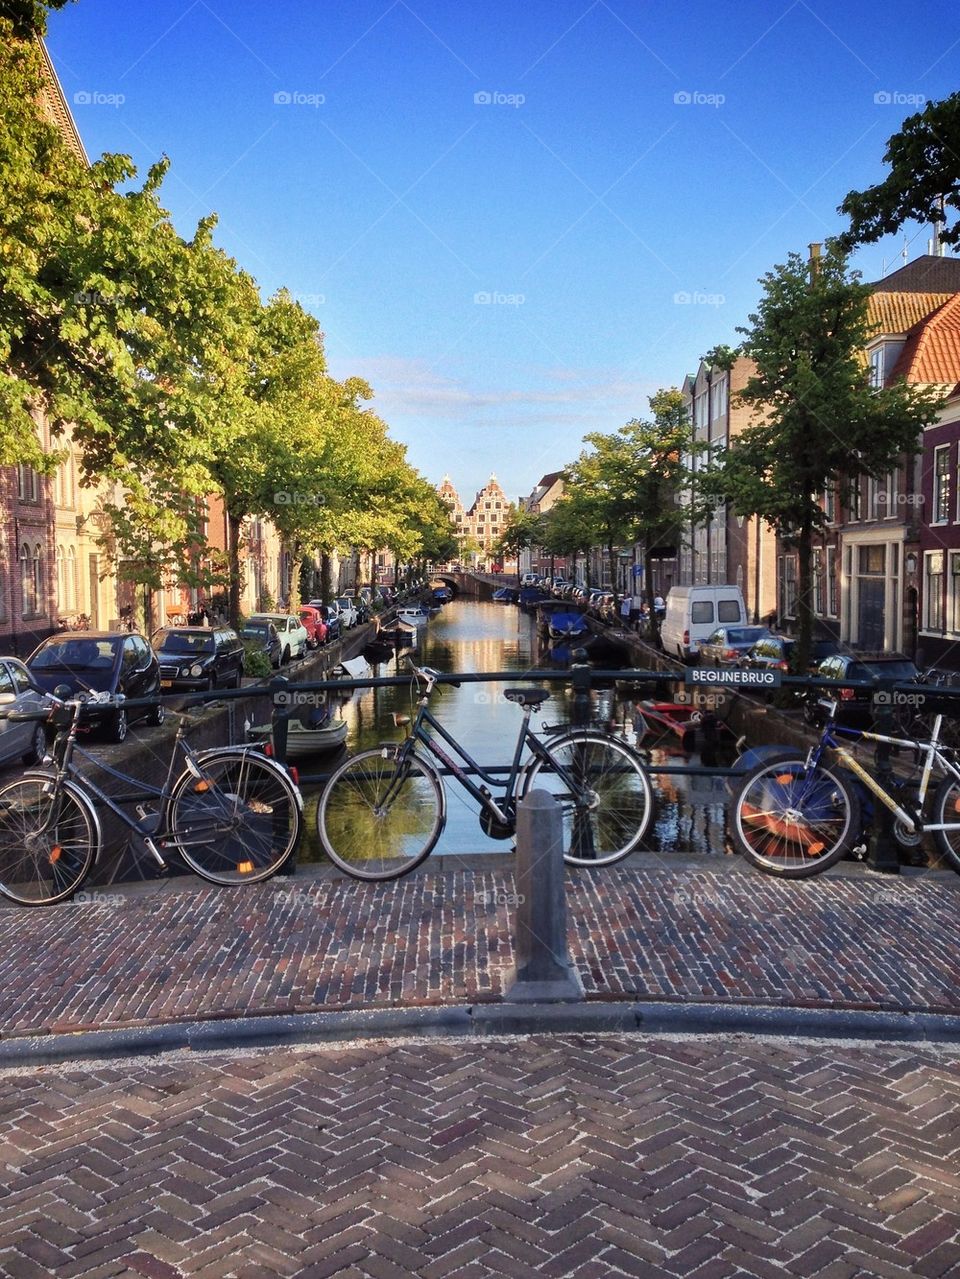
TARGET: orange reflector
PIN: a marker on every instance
(244, 868)
(815, 849)
(268, 749)
(201, 786)
(956, 804)
(56, 852)
(785, 778)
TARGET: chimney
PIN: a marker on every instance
(814, 261)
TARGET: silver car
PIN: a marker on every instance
(20, 742)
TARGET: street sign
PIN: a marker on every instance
(731, 677)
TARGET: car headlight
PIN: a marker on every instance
(196, 670)
(184, 670)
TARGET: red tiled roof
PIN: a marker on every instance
(899, 312)
(931, 354)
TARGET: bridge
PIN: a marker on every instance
(474, 585)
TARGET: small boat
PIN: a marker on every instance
(566, 625)
(303, 740)
(398, 633)
(682, 719)
(442, 594)
(377, 651)
(506, 595)
(415, 614)
(531, 596)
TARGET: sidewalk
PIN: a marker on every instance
(182, 951)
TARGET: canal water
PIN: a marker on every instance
(468, 636)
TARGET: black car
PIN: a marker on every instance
(102, 662)
(855, 706)
(198, 658)
(265, 635)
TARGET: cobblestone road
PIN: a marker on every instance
(568, 1156)
(185, 950)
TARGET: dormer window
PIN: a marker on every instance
(876, 368)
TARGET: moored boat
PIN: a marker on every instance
(302, 740)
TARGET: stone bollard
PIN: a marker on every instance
(542, 970)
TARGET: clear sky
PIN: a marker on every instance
(517, 218)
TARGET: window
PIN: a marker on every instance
(833, 586)
(855, 505)
(876, 368)
(73, 589)
(788, 586)
(701, 612)
(830, 503)
(728, 611)
(28, 484)
(817, 572)
(718, 398)
(31, 579)
(700, 409)
(933, 591)
(953, 592)
(941, 484)
(871, 498)
(61, 579)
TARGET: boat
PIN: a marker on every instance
(398, 633)
(531, 596)
(565, 625)
(302, 740)
(378, 651)
(682, 719)
(506, 595)
(415, 614)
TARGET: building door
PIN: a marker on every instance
(871, 597)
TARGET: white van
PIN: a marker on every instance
(693, 612)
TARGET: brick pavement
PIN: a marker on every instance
(188, 951)
(585, 1156)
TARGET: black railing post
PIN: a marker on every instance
(279, 719)
(882, 847)
(581, 675)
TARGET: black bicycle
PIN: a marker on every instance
(232, 815)
(381, 812)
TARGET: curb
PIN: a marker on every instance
(482, 1020)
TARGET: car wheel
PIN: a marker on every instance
(156, 715)
(38, 746)
(285, 657)
(118, 729)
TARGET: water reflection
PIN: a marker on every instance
(470, 637)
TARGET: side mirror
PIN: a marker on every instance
(7, 699)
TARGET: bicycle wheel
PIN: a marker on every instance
(378, 817)
(604, 793)
(48, 840)
(946, 812)
(794, 821)
(238, 822)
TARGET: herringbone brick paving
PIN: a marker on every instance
(586, 1156)
(186, 951)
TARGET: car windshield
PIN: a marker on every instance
(257, 630)
(744, 634)
(183, 642)
(77, 655)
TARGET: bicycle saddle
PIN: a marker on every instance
(527, 696)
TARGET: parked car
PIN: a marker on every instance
(331, 616)
(348, 612)
(102, 662)
(316, 627)
(529, 579)
(775, 652)
(263, 634)
(292, 632)
(197, 658)
(855, 707)
(726, 645)
(18, 692)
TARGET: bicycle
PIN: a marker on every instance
(796, 817)
(381, 812)
(232, 815)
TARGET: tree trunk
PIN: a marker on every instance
(804, 595)
(326, 574)
(234, 525)
(293, 595)
(654, 620)
(612, 561)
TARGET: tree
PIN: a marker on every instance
(600, 482)
(568, 531)
(821, 421)
(924, 160)
(523, 529)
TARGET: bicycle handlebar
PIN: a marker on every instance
(76, 700)
(427, 675)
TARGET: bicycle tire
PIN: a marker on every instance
(45, 857)
(237, 823)
(794, 822)
(368, 841)
(946, 806)
(608, 819)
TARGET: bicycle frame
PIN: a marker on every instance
(930, 750)
(525, 737)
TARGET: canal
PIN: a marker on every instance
(468, 636)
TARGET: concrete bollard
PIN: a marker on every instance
(542, 971)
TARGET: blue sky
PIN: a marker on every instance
(517, 220)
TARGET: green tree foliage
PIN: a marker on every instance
(820, 422)
(29, 17)
(924, 161)
(523, 529)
